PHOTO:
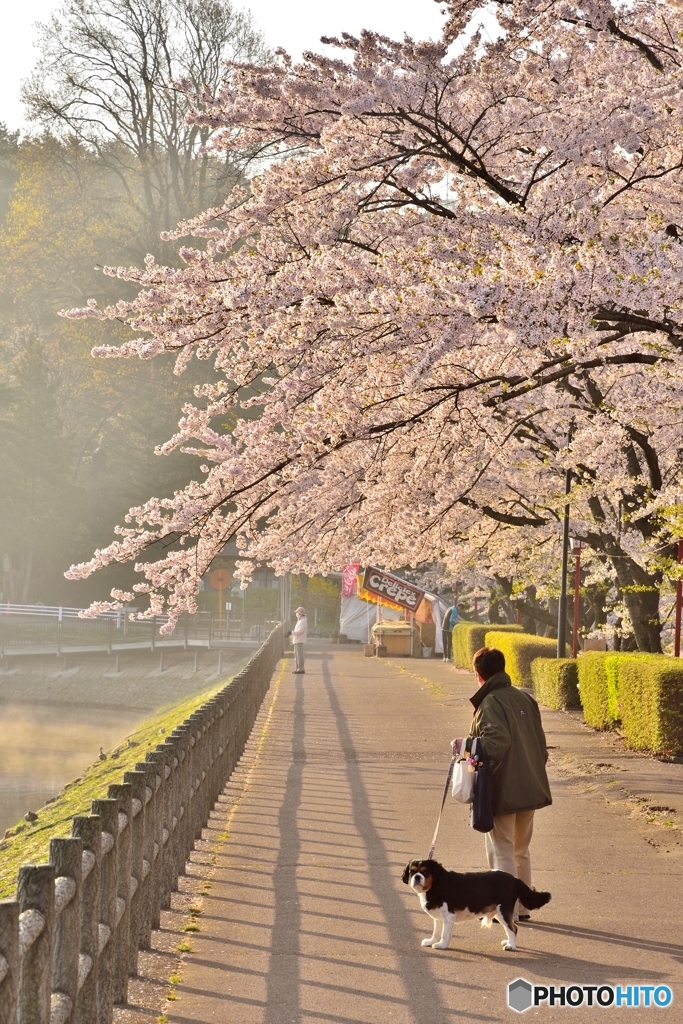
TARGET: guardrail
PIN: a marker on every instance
(37, 630)
(70, 939)
(59, 611)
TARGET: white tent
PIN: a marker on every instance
(439, 607)
(358, 617)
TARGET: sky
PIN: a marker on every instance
(294, 24)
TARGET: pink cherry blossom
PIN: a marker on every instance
(456, 274)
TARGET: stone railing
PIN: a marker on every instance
(70, 940)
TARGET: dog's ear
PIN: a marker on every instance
(406, 873)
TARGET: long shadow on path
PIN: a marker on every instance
(283, 980)
(422, 992)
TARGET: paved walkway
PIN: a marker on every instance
(307, 919)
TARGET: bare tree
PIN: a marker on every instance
(108, 75)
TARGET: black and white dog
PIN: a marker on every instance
(449, 897)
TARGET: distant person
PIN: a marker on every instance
(299, 636)
(508, 721)
(452, 617)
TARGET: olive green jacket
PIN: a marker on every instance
(508, 722)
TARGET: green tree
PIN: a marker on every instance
(9, 144)
(116, 164)
(35, 454)
(65, 217)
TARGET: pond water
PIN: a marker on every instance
(54, 718)
(44, 747)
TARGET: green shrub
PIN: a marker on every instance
(651, 702)
(468, 637)
(612, 680)
(556, 682)
(593, 689)
(520, 649)
(600, 685)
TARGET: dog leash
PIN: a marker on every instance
(445, 794)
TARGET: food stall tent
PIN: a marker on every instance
(358, 615)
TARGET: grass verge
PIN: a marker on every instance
(27, 842)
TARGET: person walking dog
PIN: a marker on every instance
(299, 635)
(508, 722)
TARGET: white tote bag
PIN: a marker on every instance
(463, 776)
(463, 782)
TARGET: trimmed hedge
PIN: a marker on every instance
(651, 702)
(520, 649)
(642, 693)
(556, 682)
(600, 686)
(468, 637)
(612, 680)
(592, 670)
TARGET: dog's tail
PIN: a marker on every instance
(529, 898)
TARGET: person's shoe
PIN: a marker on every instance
(298, 672)
(523, 917)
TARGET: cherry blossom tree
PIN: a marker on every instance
(457, 277)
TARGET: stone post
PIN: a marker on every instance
(181, 740)
(137, 782)
(36, 895)
(150, 891)
(88, 828)
(172, 846)
(108, 810)
(123, 794)
(66, 856)
(159, 759)
(9, 961)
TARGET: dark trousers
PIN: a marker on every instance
(447, 637)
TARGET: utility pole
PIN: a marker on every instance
(562, 609)
(679, 596)
(576, 548)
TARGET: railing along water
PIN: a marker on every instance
(70, 939)
(40, 629)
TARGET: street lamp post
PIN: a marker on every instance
(562, 609)
(576, 550)
(679, 602)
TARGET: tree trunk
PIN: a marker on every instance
(501, 607)
(640, 591)
(494, 609)
(26, 567)
(594, 607)
(643, 610)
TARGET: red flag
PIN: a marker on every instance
(349, 573)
